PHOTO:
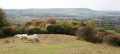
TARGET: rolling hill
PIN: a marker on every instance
(59, 14)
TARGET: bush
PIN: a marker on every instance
(70, 30)
(112, 40)
(99, 29)
(75, 23)
(34, 30)
(100, 35)
(7, 31)
(51, 21)
(27, 24)
(60, 29)
(64, 23)
(82, 24)
(55, 29)
(13, 32)
(86, 33)
(117, 30)
(21, 30)
(90, 23)
(1, 34)
(91, 34)
(34, 23)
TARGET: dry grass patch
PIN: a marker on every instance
(54, 44)
(92, 49)
(49, 43)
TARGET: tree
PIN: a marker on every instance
(3, 18)
(75, 23)
(86, 33)
(82, 24)
(51, 21)
(90, 23)
(64, 23)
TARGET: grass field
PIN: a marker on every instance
(110, 30)
(113, 31)
(54, 44)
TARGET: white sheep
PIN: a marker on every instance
(21, 36)
(32, 38)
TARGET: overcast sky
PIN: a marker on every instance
(92, 4)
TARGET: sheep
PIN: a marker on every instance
(21, 36)
(32, 38)
(18, 36)
(36, 38)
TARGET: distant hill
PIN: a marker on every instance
(58, 13)
(51, 12)
(49, 9)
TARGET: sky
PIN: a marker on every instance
(101, 5)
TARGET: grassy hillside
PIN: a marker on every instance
(54, 44)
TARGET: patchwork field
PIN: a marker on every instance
(54, 44)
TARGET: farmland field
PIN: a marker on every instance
(113, 31)
(54, 44)
(110, 30)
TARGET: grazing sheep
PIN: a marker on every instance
(32, 38)
(21, 36)
(36, 38)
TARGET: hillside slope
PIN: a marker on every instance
(54, 44)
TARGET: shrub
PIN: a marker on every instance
(82, 24)
(55, 29)
(7, 31)
(60, 29)
(75, 23)
(21, 30)
(64, 23)
(28, 24)
(34, 30)
(34, 23)
(90, 23)
(86, 33)
(99, 37)
(1, 34)
(112, 40)
(13, 32)
(117, 30)
(99, 29)
(44, 31)
(43, 25)
(70, 30)
(51, 21)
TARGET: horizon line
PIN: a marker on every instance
(59, 8)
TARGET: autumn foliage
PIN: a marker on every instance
(51, 21)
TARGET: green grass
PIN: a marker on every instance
(54, 44)
(110, 30)
(49, 44)
(113, 31)
(39, 48)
